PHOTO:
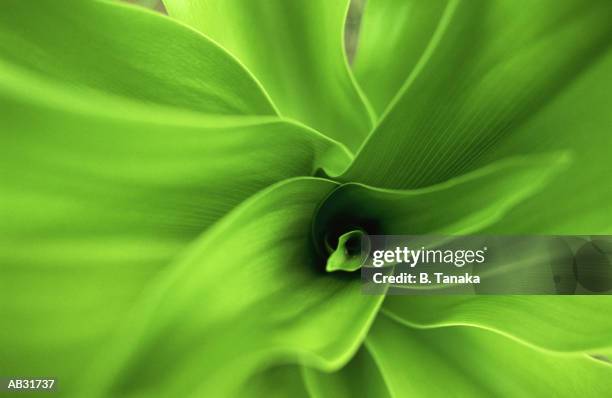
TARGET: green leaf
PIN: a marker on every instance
(174, 175)
(564, 324)
(580, 200)
(605, 356)
(385, 56)
(474, 363)
(277, 382)
(248, 295)
(146, 3)
(127, 52)
(488, 67)
(463, 205)
(361, 377)
(296, 49)
(347, 254)
(577, 202)
(93, 205)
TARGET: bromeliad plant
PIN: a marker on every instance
(178, 193)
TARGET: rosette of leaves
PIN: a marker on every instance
(180, 195)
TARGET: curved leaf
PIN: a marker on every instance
(276, 382)
(385, 56)
(93, 205)
(463, 205)
(361, 377)
(577, 202)
(247, 295)
(489, 67)
(128, 52)
(564, 324)
(581, 201)
(296, 49)
(478, 363)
